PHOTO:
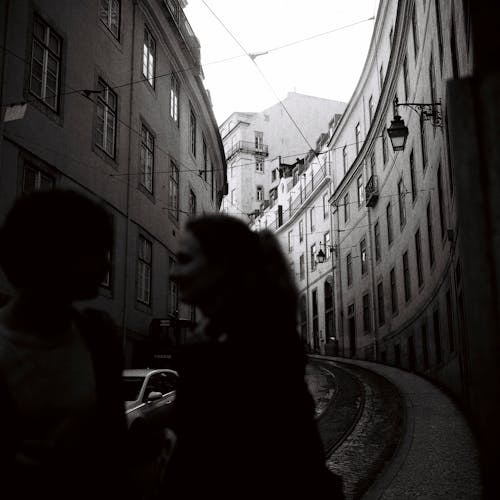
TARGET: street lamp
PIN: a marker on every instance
(398, 131)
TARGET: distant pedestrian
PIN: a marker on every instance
(244, 417)
(62, 420)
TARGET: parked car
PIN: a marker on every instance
(149, 394)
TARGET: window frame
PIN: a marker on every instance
(147, 152)
(144, 262)
(107, 111)
(149, 57)
(108, 11)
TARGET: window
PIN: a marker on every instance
(313, 256)
(373, 167)
(260, 193)
(384, 147)
(273, 175)
(173, 191)
(418, 257)
(376, 231)
(437, 336)
(259, 166)
(205, 160)
(174, 99)
(259, 141)
(326, 245)
(344, 158)
(192, 203)
(439, 31)
(144, 261)
(36, 180)
(442, 220)
(109, 14)
(381, 76)
(405, 79)
(346, 207)
(301, 230)
(430, 236)
(105, 136)
(290, 241)
(394, 291)
(423, 143)
(233, 197)
(432, 80)
(325, 205)
(357, 133)
(380, 304)
(192, 132)
(402, 203)
(148, 57)
(147, 158)
(413, 179)
(449, 314)
(388, 215)
(349, 269)
(173, 296)
(415, 31)
(425, 349)
(361, 191)
(312, 219)
(370, 108)
(366, 313)
(362, 255)
(45, 64)
(406, 277)
(301, 267)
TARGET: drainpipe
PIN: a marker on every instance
(129, 184)
(372, 279)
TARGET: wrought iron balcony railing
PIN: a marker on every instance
(247, 147)
(371, 191)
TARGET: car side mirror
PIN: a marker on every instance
(154, 396)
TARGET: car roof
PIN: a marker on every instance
(143, 372)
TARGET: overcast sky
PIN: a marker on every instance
(327, 66)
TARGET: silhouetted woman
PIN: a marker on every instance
(244, 416)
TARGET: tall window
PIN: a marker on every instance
(173, 299)
(109, 14)
(406, 277)
(312, 219)
(344, 158)
(432, 80)
(418, 257)
(349, 269)
(366, 313)
(326, 245)
(259, 166)
(376, 234)
(174, 99)
(414, 27)
(147, 158)
(192, 132)
(45, 64)
(259, 141)
(388, 216)
(302, 267)
(362, 255)
(205, 160)
(325, 205)
(346, 207)
(357, 133)
(36, 180)
(192, 203)
(402, 203)
(430, 236)
(439, 31)
(423, 143)
(290, 241)
(405, 79)
(381, 303)
(106, 119)
(373, 168)
(442, 220)
(313, 256)
(370, 108)
(384, 147)
(301, 230)
(394, 291)
(173, 191)
(149, 57)
(381, 76)
(413, 178)
(233, 196)
(144, 263)
(361, 191)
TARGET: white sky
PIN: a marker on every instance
(328, 66)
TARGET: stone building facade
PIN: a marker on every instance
(390, 232)
(116, 109)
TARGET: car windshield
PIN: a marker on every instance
(132, 387)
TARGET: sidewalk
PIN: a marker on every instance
(437, 456)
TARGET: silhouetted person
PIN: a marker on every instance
(62, 420)
(244, 416)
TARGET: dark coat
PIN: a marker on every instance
(245, 425)
(96, 468)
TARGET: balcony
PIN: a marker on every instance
(247, 147)
(371, 191)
